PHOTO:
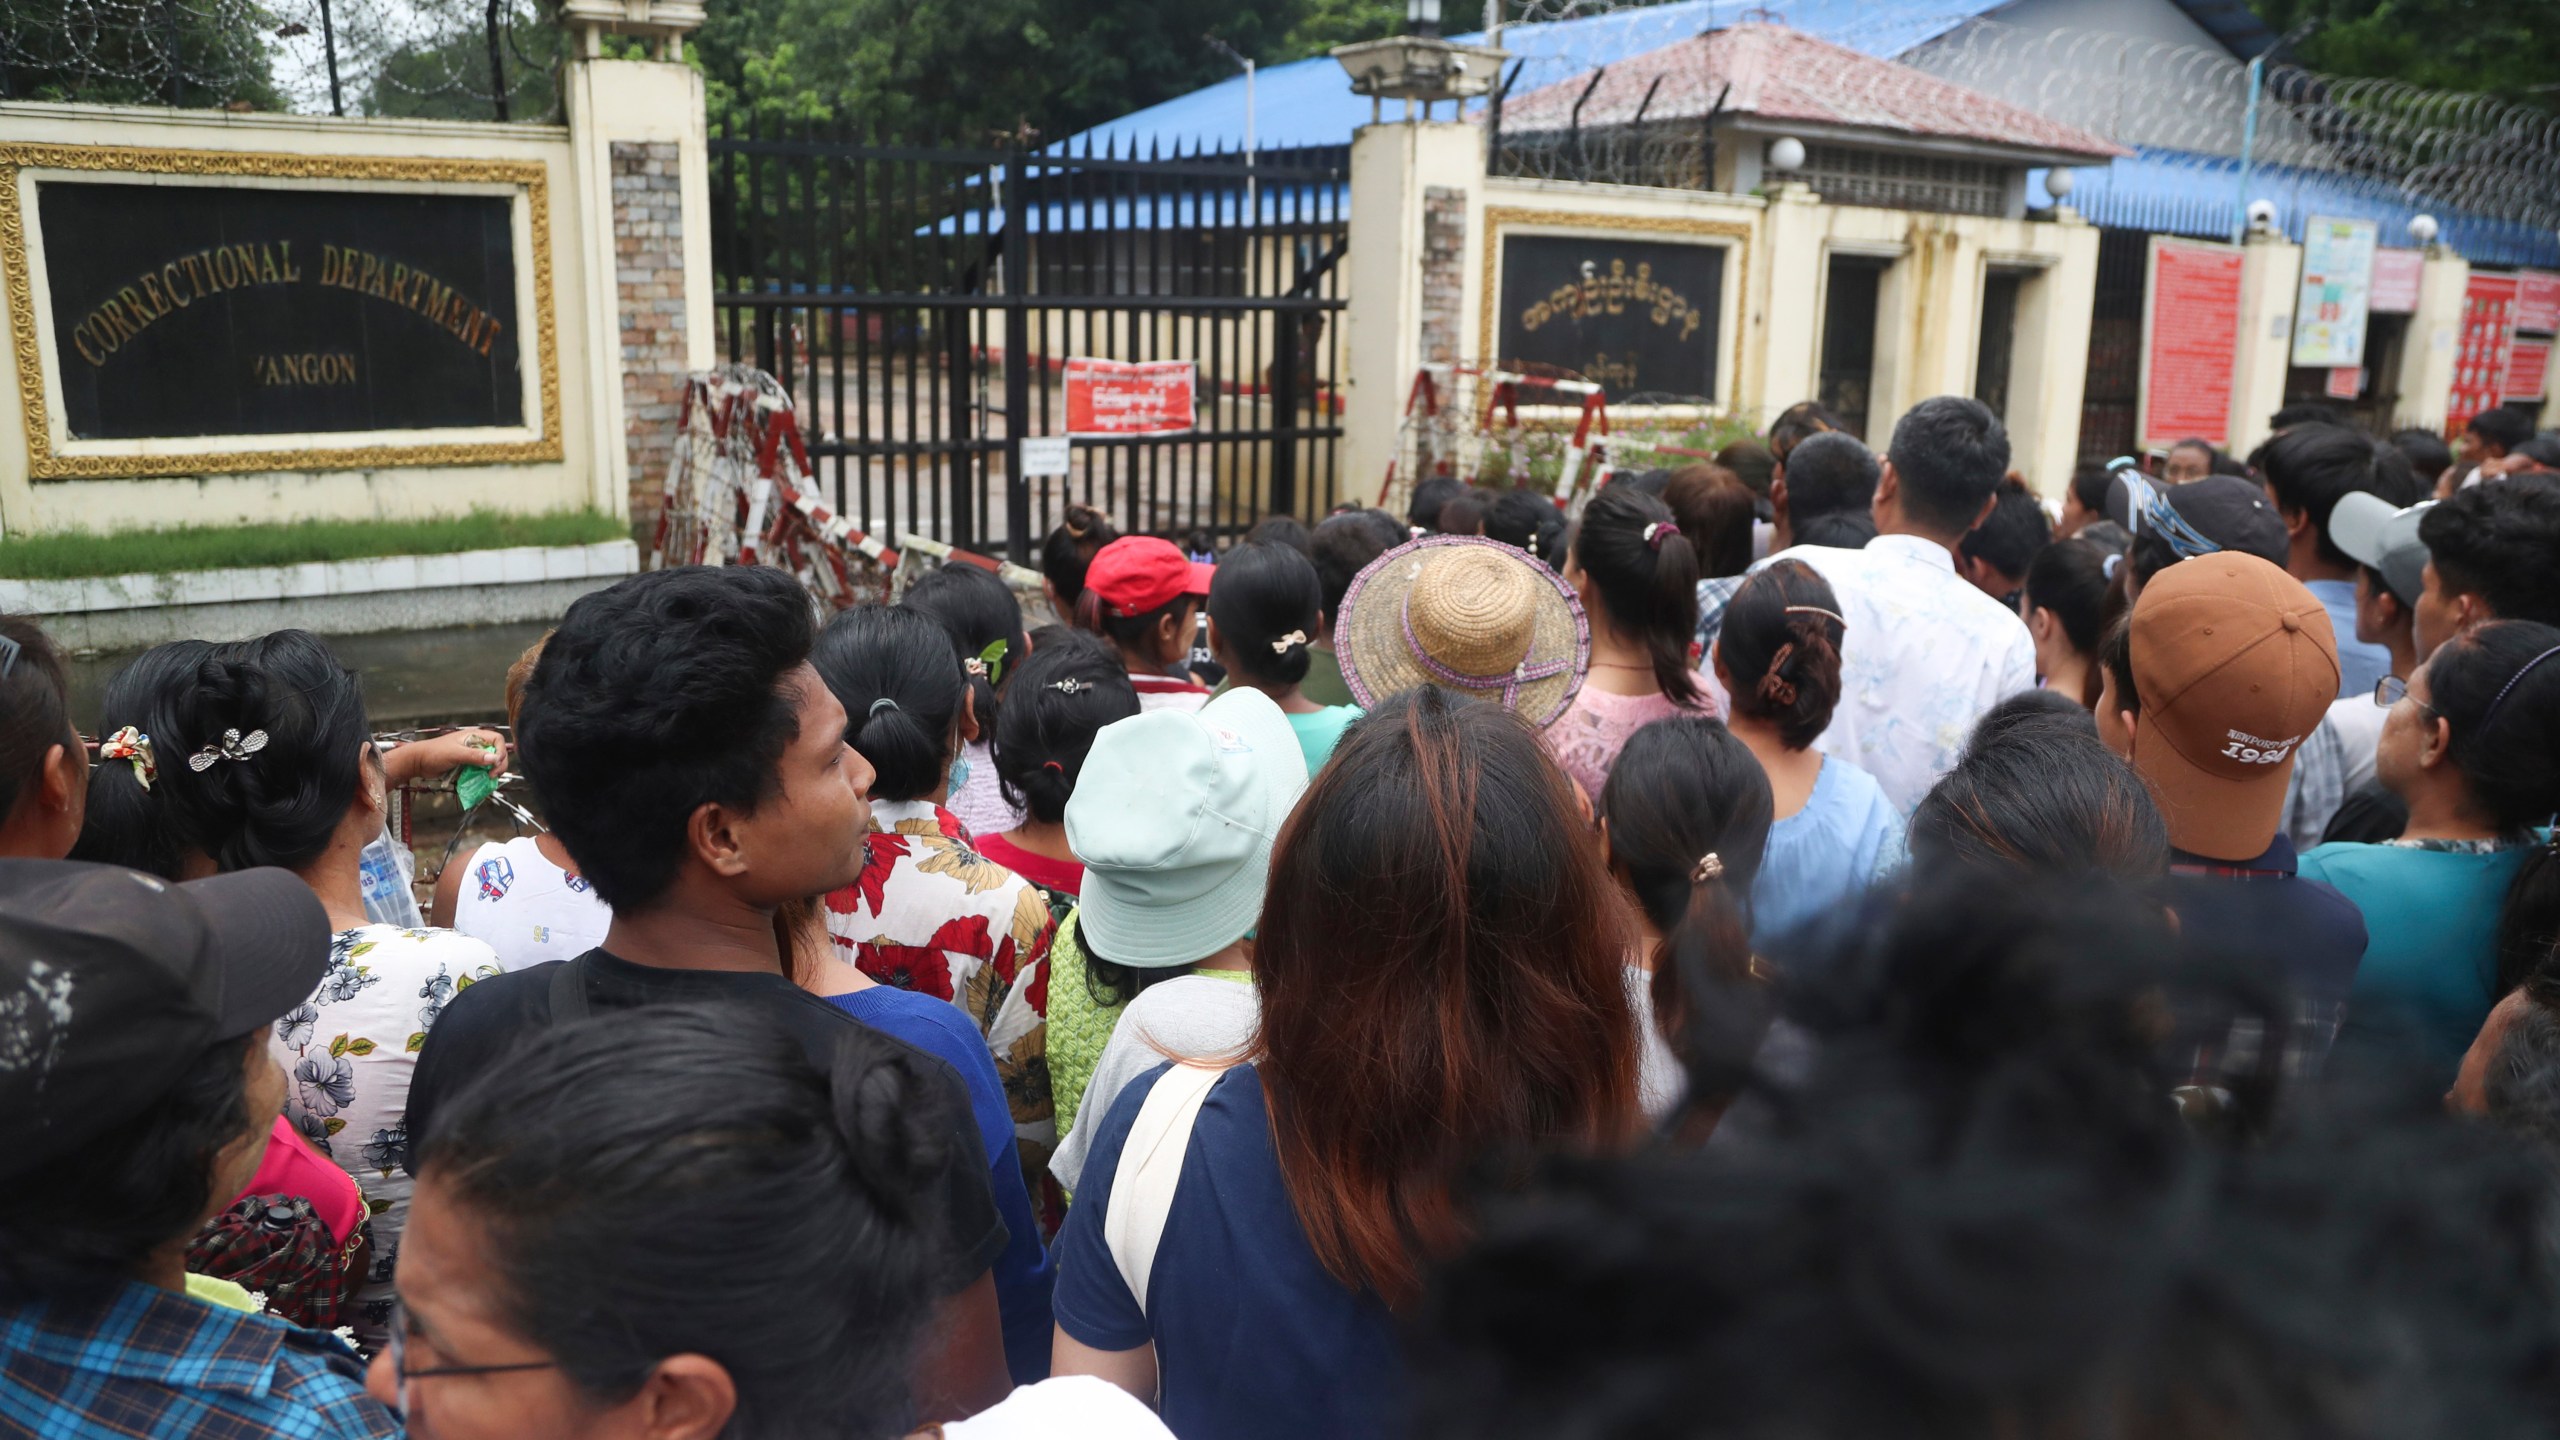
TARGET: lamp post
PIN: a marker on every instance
(1252, 210)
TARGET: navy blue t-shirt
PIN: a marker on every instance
(1023, 1274)
(1254, 1339)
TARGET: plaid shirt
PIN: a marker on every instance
(141, 1362)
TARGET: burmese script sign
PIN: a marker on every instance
(1635, 316)
(199, 310)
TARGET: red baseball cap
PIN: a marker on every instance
(1139, 573)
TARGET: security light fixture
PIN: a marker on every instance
(1786, 153)
(2422, 228)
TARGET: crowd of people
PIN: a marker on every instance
(1815, 944)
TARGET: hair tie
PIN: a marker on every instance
(1655, 530)
(2512, 680)
(1831, 615)
(1710, 867)
(131, 745)
(2107, 567)
(1053, 766)
(976, 667)
(1069, 686)
(883, 703)
(1294, 637)
(233, 746)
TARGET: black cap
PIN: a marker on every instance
(113, 982)
(2225, 511)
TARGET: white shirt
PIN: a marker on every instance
(1206, 1015)
(515, 901)
(1063, 1407)
(1924, 654)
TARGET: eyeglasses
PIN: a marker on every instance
(2390, 690)
(400, 1359)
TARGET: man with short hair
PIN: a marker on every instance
(1827, 473)
(689, 756)
(1924, 653)
(2337, 761)
(2202, 517)
(137, 1092)
(2493, 553)
(2488, 436)
(2224, 667)
(2189, 459)
(2307, 471)
(1341, 547)
(1995, 556)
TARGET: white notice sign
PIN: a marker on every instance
(1044, 455)
(2337, 286)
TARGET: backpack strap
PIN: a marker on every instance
(569, 994)
(1150, 1169)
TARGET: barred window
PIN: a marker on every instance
(1843, 176)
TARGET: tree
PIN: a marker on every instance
(162, 52)
(1327, 23)
(2509, 48)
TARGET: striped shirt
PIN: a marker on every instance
(141, 1362)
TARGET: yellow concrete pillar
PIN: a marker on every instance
(2270, 279)
(2049, 363)
(1392, 165)
(1787, 312)
(2435, 331)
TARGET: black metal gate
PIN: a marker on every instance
(920, 305)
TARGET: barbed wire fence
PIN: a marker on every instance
(442, 59)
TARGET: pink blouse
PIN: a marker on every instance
(1587, 737)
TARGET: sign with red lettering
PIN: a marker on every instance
(2537, 301)
(2346, 382)
(1124, 397)
(2528, 369)
(2395, 281)
(2190, 341)
(2480, 349)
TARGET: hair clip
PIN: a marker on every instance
(1053, 767)
(1710, 867)
(1294, 637)
(1833, 616)
(131, 745)
(883, 703)
(990, 662)
(234, 746)
(1655, 530)
(1069, 686)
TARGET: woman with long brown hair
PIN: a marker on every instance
(1439, 962)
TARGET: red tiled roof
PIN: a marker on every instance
(1786, 75)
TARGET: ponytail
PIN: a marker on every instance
(1070, 548)
(901, 688)
(1646, 574)
(1268, 606)
(1781, 648)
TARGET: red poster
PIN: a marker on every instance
(2537, 301)
(2480, 350)
(1122, 397)
(2346, 382)
(2528, 369)
(2191, 340)
(2395, 281)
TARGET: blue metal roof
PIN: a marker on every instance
(1309, 102)
(2178, 192)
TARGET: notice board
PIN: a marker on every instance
(2528, 369)
(2395, 282)
(2537, 301)
(2481, 347)
(1634, 316)
(2190, 341)
(2337, 285)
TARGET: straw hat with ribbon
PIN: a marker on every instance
(1468, 613)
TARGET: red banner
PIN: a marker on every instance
(1122, 397)
(2191, 341)
(2346, 382)
(2480, 354)
(2528, 369)
(2537, 301)
(2395, 281)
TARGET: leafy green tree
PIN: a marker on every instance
(1327, 23)
(449, 79)
(2509, 48)
(172, 52)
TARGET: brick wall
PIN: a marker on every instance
(1444, 281)
(648, 245)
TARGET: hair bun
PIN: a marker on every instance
(892, 1122)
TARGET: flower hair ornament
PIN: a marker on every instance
(134, 747)
(1710, 867)
(1294, 637)
(233, 746)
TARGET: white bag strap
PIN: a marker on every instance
(1150, 1167)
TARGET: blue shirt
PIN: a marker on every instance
(2265, 919)
(1023, 1274)
(1825, 855)
(2360, 666)
(1254, 1339)
(141, 1362)
(2430, 971)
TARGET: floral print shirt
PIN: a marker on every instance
(348, 1052)
(931, 914)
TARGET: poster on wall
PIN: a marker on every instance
(2528, 370)
(260, 312)
(1635, 316)
(2337, 283)
(1126, 397)
(2396, 274)
(2537, 301)
(2190, 341)
(2481, 348)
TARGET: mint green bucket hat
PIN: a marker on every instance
(1174, 816)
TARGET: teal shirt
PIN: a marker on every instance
(2431, 957)
(1320, 731)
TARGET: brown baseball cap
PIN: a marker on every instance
(2235, 664)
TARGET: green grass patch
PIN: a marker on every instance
(76, 553)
